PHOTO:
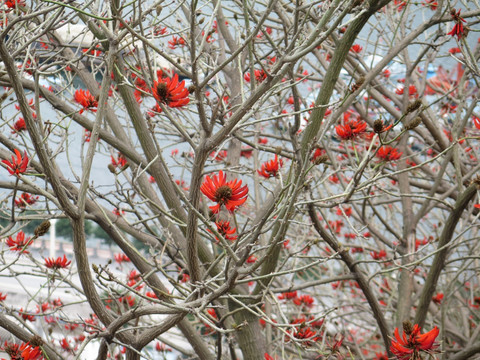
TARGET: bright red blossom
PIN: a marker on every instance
(20, 243)
(170, 92)
(476, 122)
(19, 126)
(25, 199)
(409, 345)
(120, 161)
(351, 129)
(270, 168)
(356, 49)
(458, 29)
(388, 153)
(231, 194)
(176, 40)
(24, 351)
(260, 75)
(17, 166)
(58, 263)
(224, 228)
(84, 98)
(11, 4)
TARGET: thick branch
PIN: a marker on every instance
(440, 257)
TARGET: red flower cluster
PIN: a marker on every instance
(430, 3)
(287, 295)
(458, 29)
(176, 40)
(25, 199)
(19, 126)
(120, 161)
(58, 263)
(170, 92)
(20, 243)
(223, 227)
(382, 254)
(19, 165)
(306, 335)
(260, 75)
(476, 122)
(411, 343)
(120, 257)
(351, 129)
(24, 351)
(26, 316)
(231, 194)
(270, 168)
(388, 153)
(84, 98)
(11, 4)
(306, 300)
(356, 49)
(412, 90)
(162, 347)
(437, 299)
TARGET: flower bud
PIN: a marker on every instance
(414, 123)
(414, 106)
(42, 229)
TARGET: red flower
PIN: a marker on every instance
(176, 40)
(260, 75)
(231, 194)
(378, 255)
(87, 135)
(356, 49)
(411, 342)
(351, 129)
(120, 162)
(25, 199)
(119, 258)
(18, 165)
(20, 243)
(11, 4)
(387, 153)
(170, 92)
(287, 295)
(412, 90)
(454, 50)
(223, 227)
(2, 297)
(19, 126)
(158, 30)
(25, 351)
(59, 263)
(270, 168)
(317, 154)
(84, 98)
(458, 29)
(476, 122)
(162, 347)
(437, 299)
(430, 3)
(306, 300)
(306, 335)
(26, 317)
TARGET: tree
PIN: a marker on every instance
(302, 173)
